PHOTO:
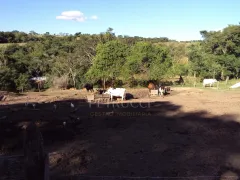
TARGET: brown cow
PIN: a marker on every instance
(151, 86)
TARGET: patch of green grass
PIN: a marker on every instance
(8, 44)
(222, 86)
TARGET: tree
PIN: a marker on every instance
(73, 63)
(196, 59)
(150, 60)
(22, 82)
(224, 46)
(108, 61)
(7, 77)
(140, 58)
(161, 65)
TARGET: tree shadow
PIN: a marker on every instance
(154, 139)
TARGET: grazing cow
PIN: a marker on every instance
(89, 87)
(118, 92)
(209, 81)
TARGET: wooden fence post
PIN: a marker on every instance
(34, 156)
(227, 79)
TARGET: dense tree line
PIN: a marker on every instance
(22, 37)
(217, 56)
(72, 60)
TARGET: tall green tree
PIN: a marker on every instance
(108, 61)
(145, 58)
(22, 82)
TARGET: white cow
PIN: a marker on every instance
(118, 92)
(209, 81)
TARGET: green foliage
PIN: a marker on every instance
(7, 79)
(149, 59)
(108, 61)
(218, 54)
(139, 60)
(22, 82)
(161, 64)
(72, 60)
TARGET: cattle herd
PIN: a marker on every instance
(121, 92)
(161, 89)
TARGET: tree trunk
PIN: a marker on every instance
(74, 81)
(214, 72)
(194, 84)
(227, 79)
(222, 75)
(112, 83)
(73, 75)
(104, 83)
(22, 89)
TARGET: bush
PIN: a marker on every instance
(118, 83)
(142, 83)
(22, 82)
(60, 82)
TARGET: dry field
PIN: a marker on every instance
(188, 133)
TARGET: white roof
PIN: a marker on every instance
(235, 85)
(39, 78)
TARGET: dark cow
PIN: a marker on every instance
(89, 87)
(101, 91)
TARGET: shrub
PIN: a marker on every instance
(60, 82)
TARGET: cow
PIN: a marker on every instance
(118, 92)
(101, 91)
(89, 87)
(151, 86)
(209, 81)
(161, 91)
(3, 97)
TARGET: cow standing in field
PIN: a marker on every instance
(209, 82)
(151, 86)
(118, 92)
(89, 87)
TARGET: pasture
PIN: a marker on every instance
(189, 133)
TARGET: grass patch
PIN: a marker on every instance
(223, 86)
(2, 45)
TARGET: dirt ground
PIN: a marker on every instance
(188, 133)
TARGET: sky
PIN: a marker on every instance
(180, 20)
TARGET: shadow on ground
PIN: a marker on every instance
(127, 139)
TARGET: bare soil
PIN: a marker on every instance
(189, 132)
